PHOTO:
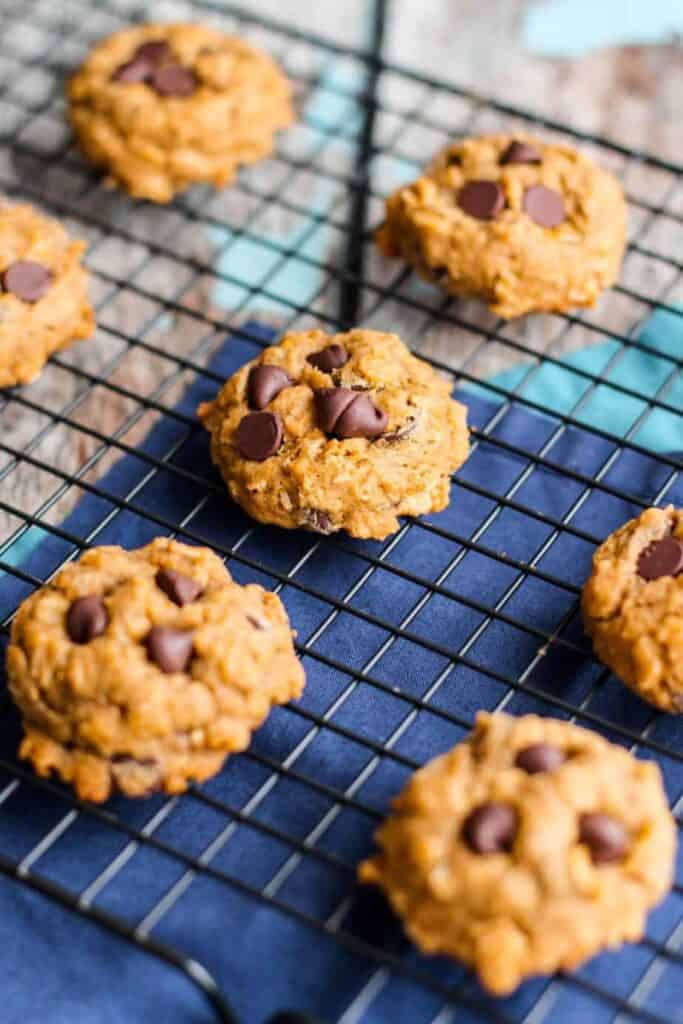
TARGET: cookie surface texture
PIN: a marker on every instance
(44, 304)
(526, 849)
(632, 606)
(161, 107)
(523, 225)
(343, 432)
(142, 670)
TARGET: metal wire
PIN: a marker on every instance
(347, 288)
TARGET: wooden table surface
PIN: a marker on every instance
(630, 94)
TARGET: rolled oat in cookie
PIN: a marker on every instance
(632, 606)
(161, 107)
(142, 670)
(344, 432)
(526, 849)
(523, 225)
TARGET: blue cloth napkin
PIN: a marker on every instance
(60, 969)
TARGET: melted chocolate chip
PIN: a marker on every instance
(174, 80)
(27, 280)
(454, 160)
(544, 205)
(540, 757)
(259, 435)
(491, 828)
(604, 836)
(661, 558)
(331, 358)
(169, 649)
(481, 199)
(156, 51)
(265, 383)
(347, 413)
(139, 69)
(86, 618)
(180, 589)
(521, 153)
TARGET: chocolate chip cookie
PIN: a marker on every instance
(142, 670)
(44, 303)
(163, 106)
(523, 225)
(337, 433)
(633, 606)
(526, 849)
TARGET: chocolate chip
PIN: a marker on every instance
(521, 153)
(156, 51)
(539, 757)
(180, 589)
(330, 358)
(170, 649)
(27, 280)
(544, 205)
(347, 413)
(661, 558)
(454, 160)
(330, 403)
(259, 435)
(491, 828)
(604, 836)
(482, 199)
(139, 69)
(174, 80)
(86, 618)
(265, 382)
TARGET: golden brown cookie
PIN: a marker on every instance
(343, 432)
(161, 107)
(633, 606)
(142, 670)
(44, 303)
(526, 849)
(522, 225)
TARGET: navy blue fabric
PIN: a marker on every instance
(60, 969)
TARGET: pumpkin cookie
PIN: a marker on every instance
(142, 670)
(337, 433)
(161, 107)
(526, 849)
(522, 225)
(633, 606)
(44, 303)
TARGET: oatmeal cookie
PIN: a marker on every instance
(343, 432)
(633, 606)
(161, 107)
(142, 670)
(526, 849)
(523, 225)
(44, 303)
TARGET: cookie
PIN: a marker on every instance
(526, 849)
(44, 303)
(142, 670)
(343, 432)
(523, 225)
(633, 606)
(161, 107)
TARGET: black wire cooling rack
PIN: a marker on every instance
(152, 268)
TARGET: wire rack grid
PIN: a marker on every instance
(292, 247)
